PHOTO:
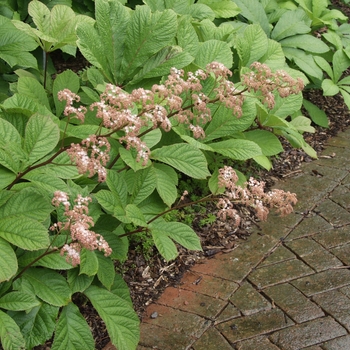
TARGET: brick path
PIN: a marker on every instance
(287, 287)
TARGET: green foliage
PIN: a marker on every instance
(134, 195)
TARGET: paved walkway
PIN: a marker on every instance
(287, 287)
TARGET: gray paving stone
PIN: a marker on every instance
(228, 313)
(334, 237)
(279, 273)
(343, 253)
(342, 343)
(256, 343)
(294, 303)
(258, 324)
(340, 159)
(278, 255)
(341, 195)
(211, 340)
(314, 254)
(316, 170)
(335, 304)
(309, 227)
(334, 213)
(345, 291)
(314, 347)
(322, 281)
(248, 300)
(307, 334)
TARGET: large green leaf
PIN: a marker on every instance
(140, 184)
(42, 136)
(18, 301)
(88, 262)
(28, 202)
(49, 286)
(15, 44)
(8, 261)
(119, 316)
(304, 61)
(37, 325)
(287, 106)
(24, 232)
(32, 88)
(72, 331)
(165, 186)
(10, 334)
(254, 12)
(106, 271)
(268, 142)
(329, 87)
(118, 186)
(77, 282)
(186, 35)
(251, 44)
(147, 34)
(305, 42)
(214, 50)
(185, 158)
(237, 149)
(274, 56)
(291, 23)
(341, 62)
(164, 244)
(224, 123)
(222, 8)
(318, 116)
(65, 80)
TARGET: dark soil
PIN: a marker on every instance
(148, 277)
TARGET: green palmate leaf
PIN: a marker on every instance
(77, 282)
(318, 116)
(166, 188)
(8, 261)
(237, 149)
(107, 200)
(72, 331)
(304, 61)
(121, 289)
(254, 12)
(88, 262)
(119, 245)
(38, 325)
(305, 42)
(223, 8)
(333, 38)
(130, 159)
(10, 333)
(152, 138)
(42, 136)
(147, 34)
(49, 286)
(329, 87)
(18, 301)
(106, 271)
(214, 50)
(121, 320)
(297, 140)
(46, 182)
(15, 45)
(32, 88)
(268, 142)
(290, 24)
(24, 232)
(251, 44)
(28, 202)
(224, 123)
(65, 80)
(140, 184)
(185, 158)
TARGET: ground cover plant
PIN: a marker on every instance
(90, 160)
